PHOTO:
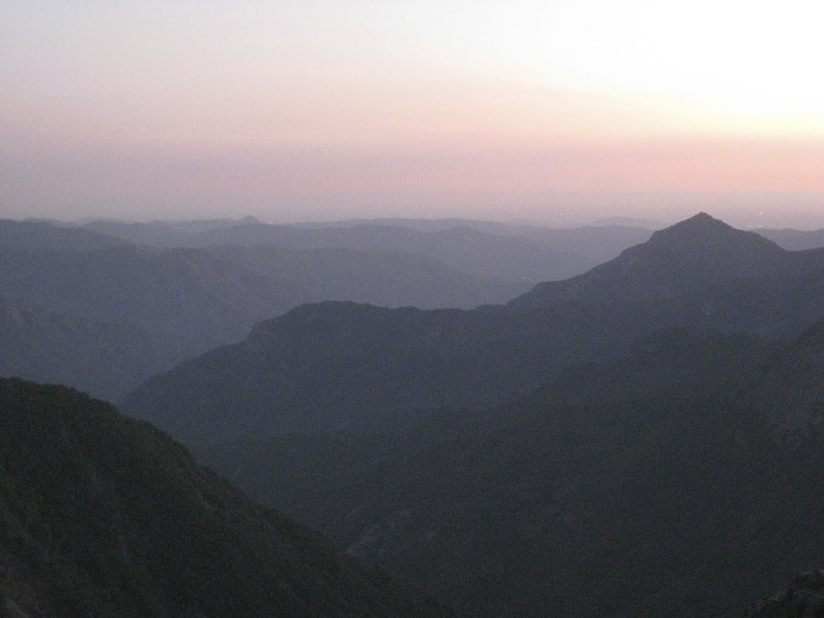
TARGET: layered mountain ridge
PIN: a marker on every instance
(336, 365)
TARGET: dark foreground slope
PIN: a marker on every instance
(657, 485)
(103, 516)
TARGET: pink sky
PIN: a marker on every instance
(519, 110)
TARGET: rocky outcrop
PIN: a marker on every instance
(803, 599)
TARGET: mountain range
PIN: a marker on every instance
(644, 438)
(189, 286)
(188, 300)
(94, 356)
(515, 253)
(687, 257)
(342, 365)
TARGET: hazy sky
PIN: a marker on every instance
(547, 111)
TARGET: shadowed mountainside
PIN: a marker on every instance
(103, 516)
(647, 486)
(803, 598)
(790, 389)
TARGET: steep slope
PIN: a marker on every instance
(102, 358)
(104, 516)
(689, 256)
(343, 365)
(642, 487)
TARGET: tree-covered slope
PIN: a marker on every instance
(804, 598)
(104, 516)
(344, 365)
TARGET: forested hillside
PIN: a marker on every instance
(101, 515)
(656, 485)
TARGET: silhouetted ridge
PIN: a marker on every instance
(335, 365)
(705, 233)
(684, 258)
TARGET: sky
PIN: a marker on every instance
(554, 112)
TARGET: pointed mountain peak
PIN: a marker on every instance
(704, 231)
(688, 256)
(702, 222)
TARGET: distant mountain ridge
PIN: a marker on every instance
(794, 240)
(486, 249)
(41, 235)
(684, 258)
(190, 300)
(339, 365)
(100, 357)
